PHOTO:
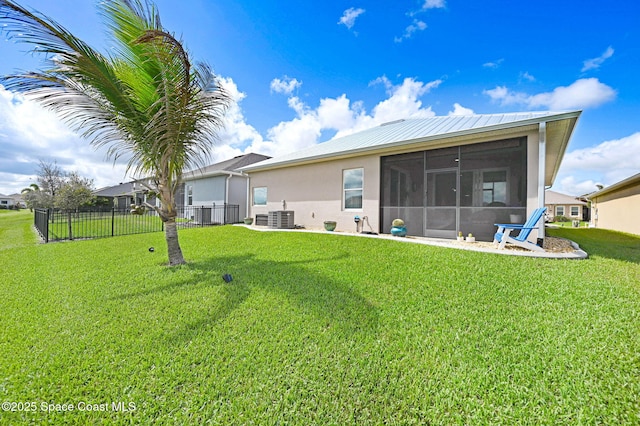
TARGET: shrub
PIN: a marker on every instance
(397, 222)
(561, 219)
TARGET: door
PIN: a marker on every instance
(441, 212)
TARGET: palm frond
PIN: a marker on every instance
(145, 100)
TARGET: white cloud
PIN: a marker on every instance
(286, 86)
(606, 163)
(460, 110)
(237, 133)
(595, 63)
(619, 154)
(526, 76)
(348, 18)
(29, 133)
(339, 115)
(494, 64)
(402, 102)
(583, 93)
(433, 4)
(417, 25)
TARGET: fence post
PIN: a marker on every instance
(113, 219)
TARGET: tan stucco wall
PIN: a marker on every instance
(551, 210)
(314, 192)
(618, 210)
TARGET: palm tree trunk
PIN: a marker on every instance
(173, 245)
(69, 223)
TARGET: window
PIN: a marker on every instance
(352, 184)
(260, 196)
(559, 210)
(190, 195)
(494, 188)
(575, 211)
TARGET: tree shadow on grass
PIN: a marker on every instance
(333, 303)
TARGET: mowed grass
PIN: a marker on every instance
(316, 329)
(96, 225)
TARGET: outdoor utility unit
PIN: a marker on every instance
(281, 219)
(203, 216)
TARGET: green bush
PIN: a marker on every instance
(561, 219)
(397, 222)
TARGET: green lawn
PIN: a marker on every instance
(101, 224)
(316, 329)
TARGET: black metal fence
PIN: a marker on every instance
(54, 225)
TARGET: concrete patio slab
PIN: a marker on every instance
(480, 246)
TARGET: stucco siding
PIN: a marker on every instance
(208, 190)
(618, 210)
(238, 194)
(314, 192)
(552, 211)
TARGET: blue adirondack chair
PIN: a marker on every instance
(503, 236)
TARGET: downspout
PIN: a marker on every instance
(248, 195)
(226, 197)
(226, 189)
(542, 154)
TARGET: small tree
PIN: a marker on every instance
(73, 194)
(31, 196)
(50, 179)
(145, 99)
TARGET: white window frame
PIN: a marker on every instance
(189, 195)
(558, 209)
(345, 190)
(577, 211)
(253, 195)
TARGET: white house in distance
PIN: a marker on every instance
(220, 183)
(6, 201)
(441, 175)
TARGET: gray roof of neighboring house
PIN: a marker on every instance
(116, 190)
(224, 167)
(556, 198)
(403, 133)
(630, 181)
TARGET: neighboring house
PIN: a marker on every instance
(125, 194)
(617, 207)
(220, 184)
(440, 175)
(18, 200)
(6, 201)
(565, 205)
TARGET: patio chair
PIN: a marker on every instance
(503, 236)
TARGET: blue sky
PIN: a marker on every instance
(304, 72)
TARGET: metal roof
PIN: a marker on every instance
(412, 131)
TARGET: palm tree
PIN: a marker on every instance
(144, 101)
(31, 195)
